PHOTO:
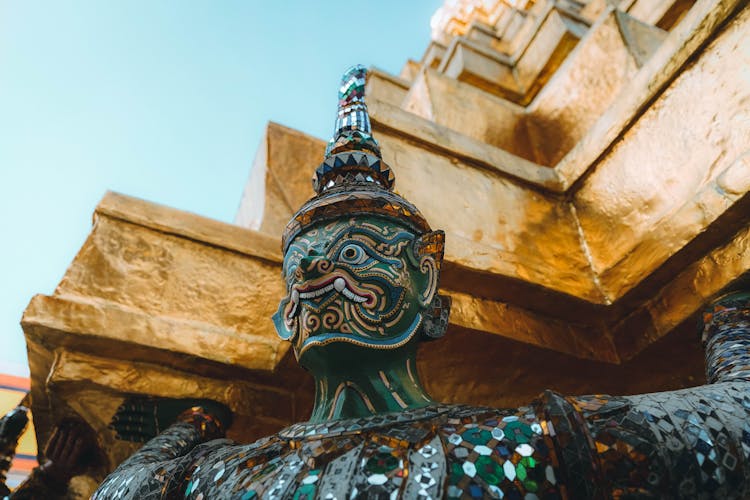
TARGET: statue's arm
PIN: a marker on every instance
(686, 443)
(157, 469)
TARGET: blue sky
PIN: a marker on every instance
(163, 100)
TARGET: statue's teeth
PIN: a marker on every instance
(339, 284)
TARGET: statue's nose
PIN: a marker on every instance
(313, 266)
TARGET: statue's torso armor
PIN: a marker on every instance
(664, 445)
(427, 453)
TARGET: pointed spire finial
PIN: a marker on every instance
(353, 131)
(352, 155)
(353, 179)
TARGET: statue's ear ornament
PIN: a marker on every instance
(435, 320)
(284, 328)
(432, 244)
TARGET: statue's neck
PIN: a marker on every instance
(368, 389)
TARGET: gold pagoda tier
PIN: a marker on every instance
(589, 164)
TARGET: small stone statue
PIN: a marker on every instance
(70, 449)
(12, 426)
(362, 268)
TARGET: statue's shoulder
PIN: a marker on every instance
(222, 463)
(491, 452)
(225, 453)
(471, 427)
(265, 445)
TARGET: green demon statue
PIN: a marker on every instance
(362, 291)
(362, 269)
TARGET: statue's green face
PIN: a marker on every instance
(358, 281)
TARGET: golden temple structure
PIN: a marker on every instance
(588, 161)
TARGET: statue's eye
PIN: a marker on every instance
(352, 254)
